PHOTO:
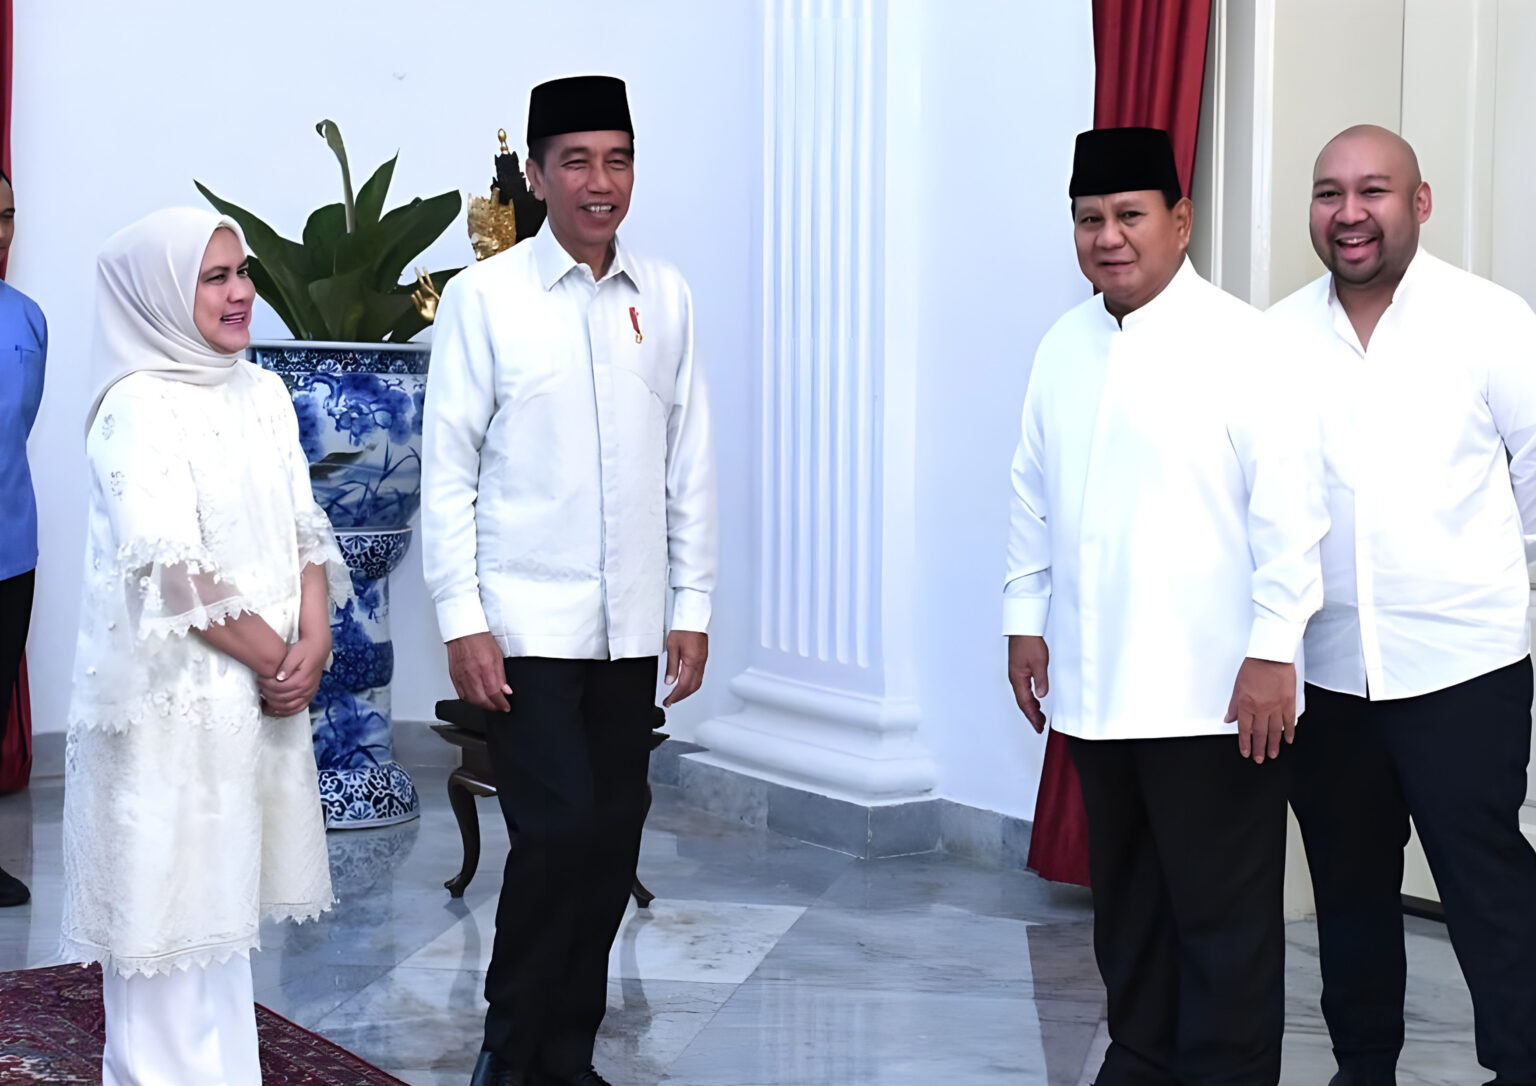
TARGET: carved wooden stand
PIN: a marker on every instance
(464, 726)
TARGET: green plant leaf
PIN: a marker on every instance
(343, 303)
(286, 267)
(406, 232)
(383, 313)
(343, 282)
(325, 238)
(354, 312)
(370, 200)
(332, 136)
(267, 290)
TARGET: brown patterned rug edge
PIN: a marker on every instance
(52, 1027)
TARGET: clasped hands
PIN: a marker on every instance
(290, 689)
(1263, 704)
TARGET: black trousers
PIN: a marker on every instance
(15, 618)
(1455, 760)
(571, 760)
(1186, 843)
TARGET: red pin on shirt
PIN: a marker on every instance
(634, 318)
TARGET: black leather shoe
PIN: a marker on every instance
(1367, 1076)
(492, 1070)
(12, 891)
(589, 1077)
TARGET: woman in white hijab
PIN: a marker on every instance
(191, 808)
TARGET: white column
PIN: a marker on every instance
(828, 693)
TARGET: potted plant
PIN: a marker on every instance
(358, 385)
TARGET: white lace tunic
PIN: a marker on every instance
(188, 814)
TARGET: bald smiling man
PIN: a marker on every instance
(1418, 695)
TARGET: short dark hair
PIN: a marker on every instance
(538, 150)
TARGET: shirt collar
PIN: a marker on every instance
(1413, 275)
(554, 263)
(1166, 301)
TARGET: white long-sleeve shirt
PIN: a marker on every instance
(568, 480)
(1429, 439)
(1166, 510)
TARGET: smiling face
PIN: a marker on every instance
(1130, 245)
(585, 180)
(1368, 201)
(222, 307)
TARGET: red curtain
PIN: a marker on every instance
(1150, 64)
(5, 96)
(1150, 57)
(17, 761)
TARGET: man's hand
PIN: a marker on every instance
(1264, 707)
(1028, 659)
(687, 652)
(297, 680)
(479, 672)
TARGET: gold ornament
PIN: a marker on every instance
(425, 296)
(492, 223)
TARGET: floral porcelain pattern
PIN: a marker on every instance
(359, 413)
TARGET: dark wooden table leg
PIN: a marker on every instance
(642, 896)
(462, 791)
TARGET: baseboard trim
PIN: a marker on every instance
(47, 755)
(867, 831)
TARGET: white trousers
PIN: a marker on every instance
(188, 1027)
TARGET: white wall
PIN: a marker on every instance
(1005, 89)
(1309, 110)
(1514, 160)
(230, 97)
(179, 89)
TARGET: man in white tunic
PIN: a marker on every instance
(568, 499)
(1162, 565)
(1418, 665)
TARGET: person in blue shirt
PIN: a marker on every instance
(23, 349)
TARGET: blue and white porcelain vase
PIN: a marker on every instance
(359, 409)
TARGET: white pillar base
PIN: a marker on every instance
(857, 747)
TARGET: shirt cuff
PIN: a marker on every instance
(1275, 639)
(690, 610)
(461, 616)
(1024, 616)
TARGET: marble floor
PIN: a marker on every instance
(763, 961)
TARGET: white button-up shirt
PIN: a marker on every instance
(568, 476)
(1429, 437)
(1166, 511)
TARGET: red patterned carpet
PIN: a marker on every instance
(51, 1032)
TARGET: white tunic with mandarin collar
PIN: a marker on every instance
(1429, 440)
(1166, 511)
(568, 484)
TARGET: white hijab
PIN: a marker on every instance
(146, 285)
